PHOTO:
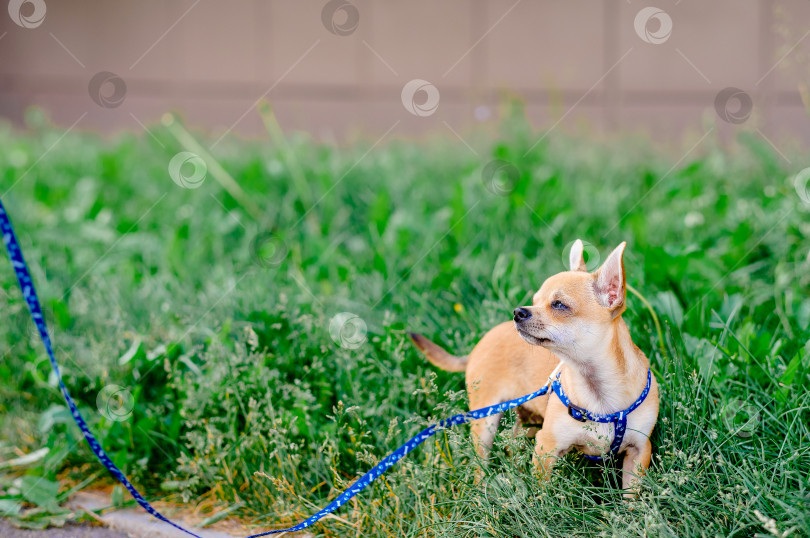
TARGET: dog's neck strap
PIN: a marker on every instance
(619, 419)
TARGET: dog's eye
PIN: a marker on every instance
(557, 305)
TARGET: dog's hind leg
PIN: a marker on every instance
(483, 434)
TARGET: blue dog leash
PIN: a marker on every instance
(619, 419)
(30, 295)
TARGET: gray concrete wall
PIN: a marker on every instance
(579, 65)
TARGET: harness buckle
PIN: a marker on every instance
(580, 416)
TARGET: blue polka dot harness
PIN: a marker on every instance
(619, 419)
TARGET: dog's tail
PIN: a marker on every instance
(438, 356)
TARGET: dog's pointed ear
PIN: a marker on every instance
(576, 258)
(610, 285)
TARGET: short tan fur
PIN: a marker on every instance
(575, 317)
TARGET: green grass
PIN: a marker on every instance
(241, 395)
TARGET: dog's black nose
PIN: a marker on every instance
(521, 314)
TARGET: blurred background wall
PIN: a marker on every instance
(338, 68)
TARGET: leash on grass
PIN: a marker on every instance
(30, 295)
(619, 419)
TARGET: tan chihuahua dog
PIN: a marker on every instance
(576, 318)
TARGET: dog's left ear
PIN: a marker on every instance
(576, 258)
(610, 285)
